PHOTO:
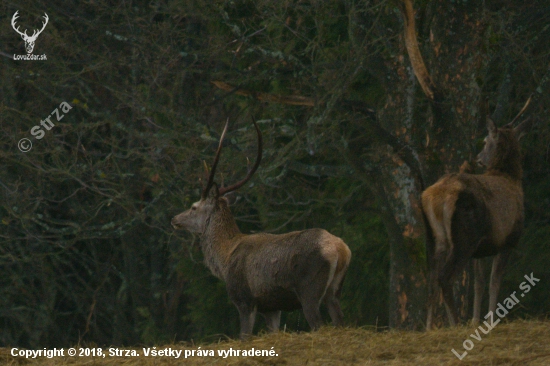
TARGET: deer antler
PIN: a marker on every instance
(511, 124)
(216, 159)
(251, 172)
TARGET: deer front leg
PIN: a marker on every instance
(479, 287)
(499, 264)
(247, 315)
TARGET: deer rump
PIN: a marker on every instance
(273, 272)
(472, 216)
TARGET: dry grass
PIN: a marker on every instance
(516, 343)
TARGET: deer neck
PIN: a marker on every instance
(509, 165)
(219, 240)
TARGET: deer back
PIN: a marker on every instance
(493, 200)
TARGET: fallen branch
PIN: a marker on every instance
(265, 97)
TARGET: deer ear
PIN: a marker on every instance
(231, 198)
(214, 191)
(491, 127)
(522, 128)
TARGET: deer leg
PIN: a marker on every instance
(312, 313)
(433, 293)
(479, 286)
(312, 289)
(247, 317)
(450, 306)
(272, 320)
(499, 263)
(430, 315)
(439, 279)
(332, 302)
(334, 309)
(455, 264)
(445, 275)
(310, 300)
(310, 297)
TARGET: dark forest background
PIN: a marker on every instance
(351, 136)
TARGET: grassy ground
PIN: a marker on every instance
(516, 343)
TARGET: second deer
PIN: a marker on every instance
(474, 216)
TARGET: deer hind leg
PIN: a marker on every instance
(312, 313)
(312, 290)
(332, 296)
(334, 309)
(446, 270)
(468, 233)
(454, 265)
(479, 287)
(499, 264)
(433, 296)
(442, 270)
(433, 288)
(446, 280)
(310, 298)
(272, 320)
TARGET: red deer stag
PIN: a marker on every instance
(475, 216)
(267, 273)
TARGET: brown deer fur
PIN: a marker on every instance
(474, 216)
(267, 273)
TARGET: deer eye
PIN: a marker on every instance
(193, 208)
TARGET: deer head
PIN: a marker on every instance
(502, 144)
(501, 150)
(29, 40)
(196, 218)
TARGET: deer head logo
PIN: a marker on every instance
(29, 40)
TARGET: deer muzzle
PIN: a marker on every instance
(175, 223)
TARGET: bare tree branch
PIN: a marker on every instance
(265, 97)
(415, 56)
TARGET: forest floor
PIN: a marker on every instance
(518, 342)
